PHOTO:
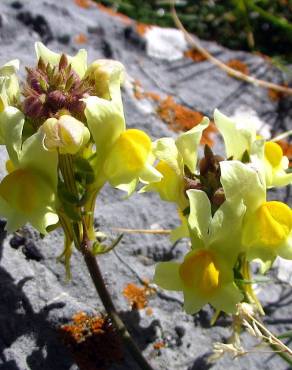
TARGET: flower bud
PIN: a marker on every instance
(66, 134)
(33, 107)
(56, 100)
(218, 197)
(9, 87)
(107, 75)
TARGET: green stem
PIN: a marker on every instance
(248, 289)
(283, 355)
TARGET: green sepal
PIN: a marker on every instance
(82, 165)
(65, 196)
(99, 248)
(71, 212)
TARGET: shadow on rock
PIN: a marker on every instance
(201, 363)
(142, 336)
(18, 319)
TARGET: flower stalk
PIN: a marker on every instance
(97, 279)
(84, 245)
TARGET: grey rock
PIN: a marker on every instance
(35, 298)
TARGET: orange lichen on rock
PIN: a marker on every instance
(152, 95)
(276, 95)
(86, 4)
(142, 28)
(287, 150)
(159, 345)
(238, 65)
(112, 12)
(93, 341)
(80, 39)
(178, 117)
(138, 296)
(181, 118)
(139, 93)
(195, 55)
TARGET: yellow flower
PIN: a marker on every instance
(267, 225)
(275, 164)
(28, 192)
(206, 275)
(240, 139)
(9, 87)
(25, 196)
(108, 75)
(123, 157)
(173, 156)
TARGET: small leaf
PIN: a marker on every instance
(98, 248)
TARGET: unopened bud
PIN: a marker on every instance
(56, 100)
(218, 197)
(104, 72)
(33, 107)
(210, 162)
(63, 63)
(192, 184)
(66, 134)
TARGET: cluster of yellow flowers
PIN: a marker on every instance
(66, 136)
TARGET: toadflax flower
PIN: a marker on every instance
(173, 157)
(206, 273)
(27, 193)
(241, 140)
(9, 87)
(123, 157)
(267, 225)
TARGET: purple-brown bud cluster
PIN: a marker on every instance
(50, 89)
(209, 178)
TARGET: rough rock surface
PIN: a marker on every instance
(35, 299)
